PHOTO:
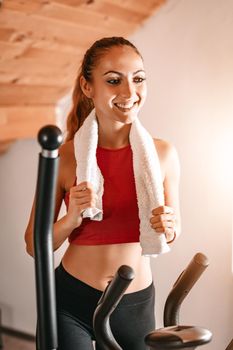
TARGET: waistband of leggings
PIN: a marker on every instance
(129, 298)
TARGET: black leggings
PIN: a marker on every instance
(76, 302)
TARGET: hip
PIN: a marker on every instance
(76, 298)
(96, 265)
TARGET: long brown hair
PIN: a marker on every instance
(83, 105)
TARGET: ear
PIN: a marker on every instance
(86, 87)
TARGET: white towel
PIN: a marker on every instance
(147, 173)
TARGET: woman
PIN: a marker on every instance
(112, 80)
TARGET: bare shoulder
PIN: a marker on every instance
(66, 151)
(168, 155)
(164, 148)
(67, 165)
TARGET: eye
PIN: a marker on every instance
(113, 81)
(139, 80)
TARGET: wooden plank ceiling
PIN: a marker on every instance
(41, 45)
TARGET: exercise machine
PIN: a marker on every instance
(172, 336)
(50, 138)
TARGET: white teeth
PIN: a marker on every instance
(121, 105)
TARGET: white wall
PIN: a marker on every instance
(17, 179)
(188, 52)
(18, 175)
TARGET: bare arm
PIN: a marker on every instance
(167, 218)
(78, 201)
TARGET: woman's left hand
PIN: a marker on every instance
(164, 221)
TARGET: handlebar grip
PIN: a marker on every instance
(106, 305)
(178, 337)
(182, 287)
(50, 137)
(230, 346)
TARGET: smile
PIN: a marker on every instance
(125, 106)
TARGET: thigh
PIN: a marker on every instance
(72, 334)
(133, 319)
(76, 303)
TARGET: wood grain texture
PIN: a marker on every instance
(20, 121)
(42, 43)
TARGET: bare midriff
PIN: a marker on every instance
(96, 265)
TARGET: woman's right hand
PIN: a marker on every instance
(81, 197)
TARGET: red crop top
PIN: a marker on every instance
(120, 222)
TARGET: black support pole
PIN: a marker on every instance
(50, 138)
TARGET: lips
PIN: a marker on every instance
(125, 106)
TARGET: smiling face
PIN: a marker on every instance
(118, 87)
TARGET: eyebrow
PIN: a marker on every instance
(115, 72)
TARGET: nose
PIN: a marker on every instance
(127, 90)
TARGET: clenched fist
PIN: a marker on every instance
(81, 197)
(163, 220)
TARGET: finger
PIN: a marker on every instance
(77, 202)
(162, 210)
(84, 196)
(81, 195)
(163, 226)
(86, 205)
(168, 232)
(162, 217)
(85, 193)
(79, 199)
(82, 186)
(79, 191)
(160, 229)
(76, 189)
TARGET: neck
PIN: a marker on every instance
(113, 136)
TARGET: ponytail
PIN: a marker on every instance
(82, 106)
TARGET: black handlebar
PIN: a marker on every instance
(107, 303)
(182, 287)
(50, 138)
(230, 346)
(178, 337)
(175, 337)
